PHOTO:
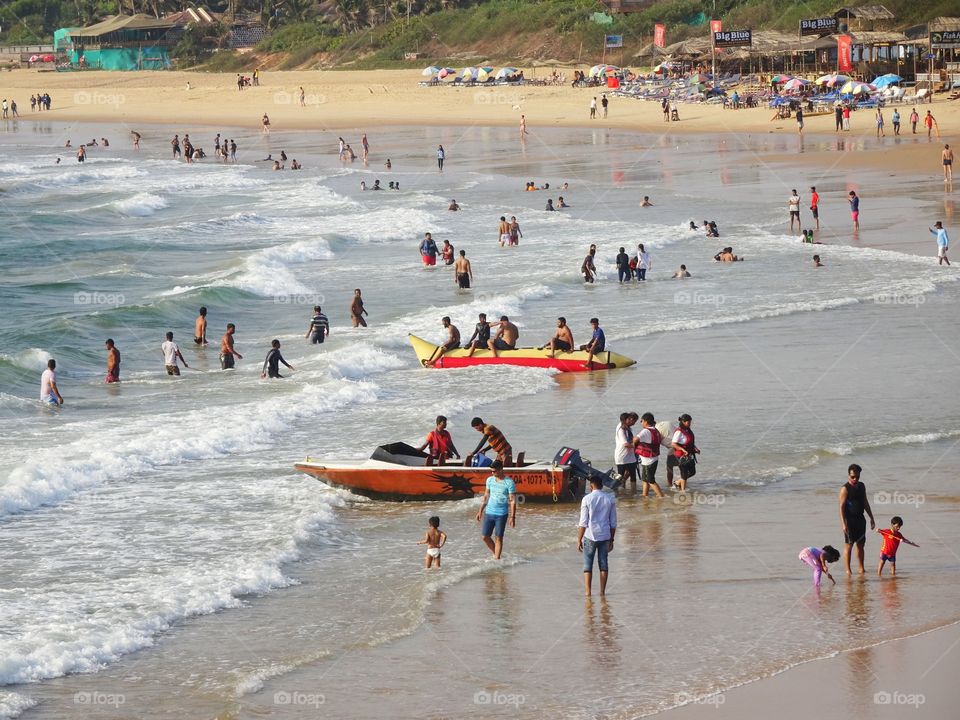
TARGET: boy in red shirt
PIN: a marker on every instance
(440, 443)
(891, 541)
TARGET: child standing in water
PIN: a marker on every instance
(434, 539)
(891, 541)
(817, 558)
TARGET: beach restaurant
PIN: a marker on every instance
(123, 42)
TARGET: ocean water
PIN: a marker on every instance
(163, 559)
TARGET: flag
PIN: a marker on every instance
(844, 60)
(659, 35)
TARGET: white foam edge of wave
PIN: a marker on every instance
(202, 593)
(48, 478)
(13, 704)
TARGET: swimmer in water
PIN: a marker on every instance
(271, 366)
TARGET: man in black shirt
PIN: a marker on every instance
(853, 503)
(271, 366)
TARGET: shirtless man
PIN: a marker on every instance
(136, 139)
(506, 338)
(504, 231)
(481, 335)
(453, 342)
(113, 362)
(357, 311)
(562, 339)
(200, 328)
(453, 206)
(227, 353)
(646, 202)
(588, 269)
(947, 164)
(462, 271)
(682, 272)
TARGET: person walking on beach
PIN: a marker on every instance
(503, 230)
(200, 328)
(846, 118)
(593, 109)
(523, 126)
(815, 205)
(319, 328)
(853, 504)
(171, 353)
(838, 117)
(665, 106)
(624, 453)
(914, 119)
(227, 353)
(463, 271)
(880, 123)
(793, 206)
(265, 124)
(896, 121)
(854, 200)
(499, 507)
(799, 117)
(943, 242)
(49, 392)
(434, 539)
(441, 156)
(597, 529)
(947, 156)
(929, 122)
(515, 233)
(113, 362)
(357, 310)
(603, 104)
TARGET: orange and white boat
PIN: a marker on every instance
(399, 472)
(575, 361)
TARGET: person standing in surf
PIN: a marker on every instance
(49, 392)
(200, 328)
(227, 353)
(113, 362)
(499, 507)
(171, 353)
(441, 156)
(319, 328)
(463, 271)
(271, 365)
(624, 454)
(685, 453)
(648, 442)
(597, 528)
(853, 504)
(357, 310)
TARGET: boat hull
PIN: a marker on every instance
(536, 483)
(526, 357)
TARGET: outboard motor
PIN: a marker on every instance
(581, 471)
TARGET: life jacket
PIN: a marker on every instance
(652, 448)
(687, 441)
(439, 441)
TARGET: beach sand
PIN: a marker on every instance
(363, 99)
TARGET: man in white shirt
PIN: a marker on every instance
(793, 204)
(49, 392)
(598, 525)
(624, 455)
(170, 355)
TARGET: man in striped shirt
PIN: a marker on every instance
(494, 440)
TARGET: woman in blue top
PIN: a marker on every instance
(499, 505)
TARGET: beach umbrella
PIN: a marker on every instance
(506, 72)
(888, 79)
(832, 80)
(469, 73)
(430, 71)
(852, 87)
(483, 74)
(487, 70)
(794, 84)
(781, 78)
(594, 71)
(446, 72)
(610, 69)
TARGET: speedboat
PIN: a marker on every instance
(575, 361)
(398, 471)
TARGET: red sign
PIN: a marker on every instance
(844, 60)
(716, 26)
(659, 35)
